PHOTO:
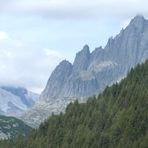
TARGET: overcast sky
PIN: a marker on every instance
(35, 35)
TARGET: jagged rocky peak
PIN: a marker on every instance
(109, 43)
(57, 79)
(138, 21)
(65, 63)
(84, 52)
(130, 43)
(98, 49)
(81, 61)
(96, 55)
(64, 66)
(92, 72)
(85, 48)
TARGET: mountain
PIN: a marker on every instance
(27, 97)
(15, 100)
(117, 118)
(11, 127)
(91, 72)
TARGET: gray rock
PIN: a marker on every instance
(92, 72)
(81, 61)
(57, 80)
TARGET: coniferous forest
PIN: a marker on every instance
(117, 118)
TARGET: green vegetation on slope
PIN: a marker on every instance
(10, 127)
(13, 126)
(117, 118)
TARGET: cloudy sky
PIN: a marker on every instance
(35, 35)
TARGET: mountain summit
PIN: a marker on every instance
(138, 21)
(92, 72)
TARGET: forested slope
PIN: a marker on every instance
(117, 118)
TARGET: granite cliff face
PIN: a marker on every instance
(57, 80)
(92, 72)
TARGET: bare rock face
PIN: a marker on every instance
(92, 72)
(57, 80)
(82, 60)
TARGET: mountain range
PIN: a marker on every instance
(92, 71)
(117, 118)
(14, 101)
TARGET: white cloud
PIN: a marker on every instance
(3, 35)
(29, 66)
(76, 8)
(30, 69)
(53, 53)
(26, 66)
(126, 23)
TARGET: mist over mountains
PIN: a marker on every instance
(14, 101)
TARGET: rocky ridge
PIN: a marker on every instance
(91, 72)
